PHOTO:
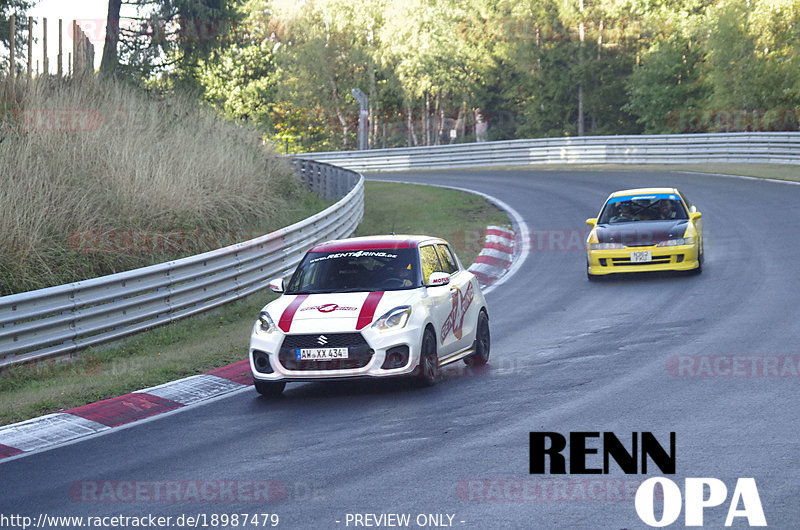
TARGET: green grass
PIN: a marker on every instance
(177, 350)
(218, 338)
(458, 217)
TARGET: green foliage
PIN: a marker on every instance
(434, 69)
(668, 80)
(173, 36)
(17, 8)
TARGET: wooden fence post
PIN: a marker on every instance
(11, 44)
(30, 48)
(74, 48)
(45, 65)
(60, 50)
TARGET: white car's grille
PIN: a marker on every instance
(359, 352)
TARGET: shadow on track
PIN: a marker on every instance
(397, 387)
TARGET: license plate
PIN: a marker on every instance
(641, 256)
(321, 354)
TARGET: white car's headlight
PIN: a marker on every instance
(265, 323)
(396, 318)
(605, 246)
(676, 242)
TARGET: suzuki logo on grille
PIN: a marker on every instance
(322, 340)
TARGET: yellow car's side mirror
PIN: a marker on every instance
(592, 221)
(694, 216)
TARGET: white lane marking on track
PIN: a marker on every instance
(192, 389)
(516, 219)
(743, 177)
(47, 431)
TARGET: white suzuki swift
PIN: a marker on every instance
(379, 306)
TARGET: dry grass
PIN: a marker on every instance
(105, 158)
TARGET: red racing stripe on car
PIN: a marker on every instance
(368, 309)
(285, 323)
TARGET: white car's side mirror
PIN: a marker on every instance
(276, 285)
(438, 278)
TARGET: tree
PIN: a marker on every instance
(666, 83)
(18, 8)
(172, 36)
(110, 60)
(240, 78)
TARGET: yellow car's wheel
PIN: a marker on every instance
(590, 276)
(700, 256)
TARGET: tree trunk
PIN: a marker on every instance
(462, 121)
(426, 128)
(440, 134)
(437, 121)
(374, 106)
(110, 58)
(343, 122)
(412, 138)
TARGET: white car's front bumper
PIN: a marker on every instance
(369, 358)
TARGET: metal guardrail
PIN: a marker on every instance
(63, 319)
(775, 148)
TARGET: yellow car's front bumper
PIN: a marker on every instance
(677, 258)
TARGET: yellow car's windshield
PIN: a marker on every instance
(652, 207)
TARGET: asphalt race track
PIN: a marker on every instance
(567, 355)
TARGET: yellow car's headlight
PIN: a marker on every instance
(676, 242)
(605, 246)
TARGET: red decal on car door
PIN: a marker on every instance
(455, 320)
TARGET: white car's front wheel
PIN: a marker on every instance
(269, 388)
(428, 369)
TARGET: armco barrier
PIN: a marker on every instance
(775, 148)
(63, 319)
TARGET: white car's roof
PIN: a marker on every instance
(373, 243)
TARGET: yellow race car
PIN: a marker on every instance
(646, 229)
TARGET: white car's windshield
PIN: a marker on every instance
(356, 270)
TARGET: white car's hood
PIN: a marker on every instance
(332, 312)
